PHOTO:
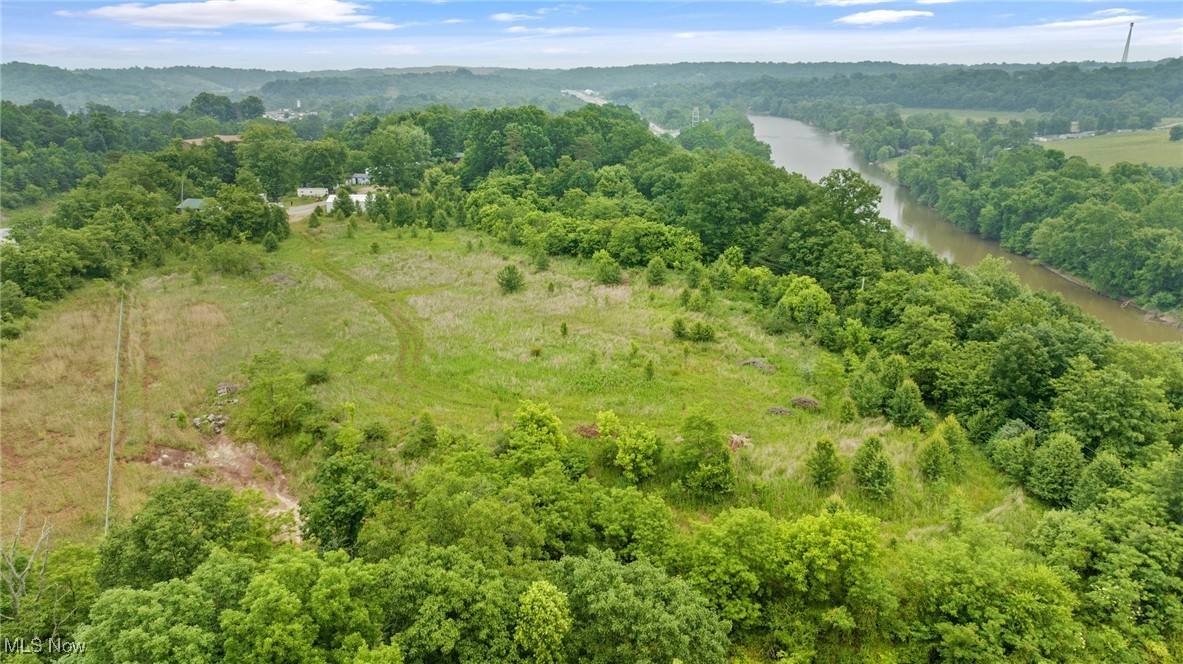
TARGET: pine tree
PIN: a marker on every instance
(935, 459)
(824, 465)
(510, 279)
(873, 472)
(655, 274)
(906, 408)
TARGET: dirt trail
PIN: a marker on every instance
(389, 305)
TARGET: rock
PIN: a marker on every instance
(808, 403)
(758, 362)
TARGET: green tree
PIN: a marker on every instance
(636, 613)
(544, 619)
(824, 465)
(277, 399)
(702, 459)
(176, 529)
(1104, 472)
(873, 472)
(347, 488)
(1176, 133)
(906, 408)
(270, 242)
(322, 163)
(398, 155)
(271, 152)
(1055, 467)
(637, 452)
(607, 270)
(510, 279)
(935, 459)
(655, 273)
(170, 622)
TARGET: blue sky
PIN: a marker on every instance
(337, 34)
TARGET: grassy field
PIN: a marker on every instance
(419, 325)
(963, 114)
(1151, 147)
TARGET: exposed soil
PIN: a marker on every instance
(225, 462)
(588, 430)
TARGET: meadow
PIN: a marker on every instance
(1136, 147)
(968, 114)
(410, 321)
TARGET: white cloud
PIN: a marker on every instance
(376, 25)
(284, 15)
(882, 16)
(849, 3)
(1111, 12)
(1095, 22)
(295, 27)
(506, 17)
(453, 21)
(521, 29)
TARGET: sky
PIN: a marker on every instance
(305, 35)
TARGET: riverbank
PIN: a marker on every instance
(814, 153)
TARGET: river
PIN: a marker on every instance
(813, 152)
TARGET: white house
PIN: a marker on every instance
(359, 178)
(358, 199)
(318, 192)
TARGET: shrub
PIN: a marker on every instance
(637, 451)
(655, 273)
(695, 274)
(234, 259)
(873, 472)
(935, 459)
(680, 329)
(270, 242)
(510, 279)
(824, 465)
(422, 437)
(701, 332)
(1055, 467)
(906, 408)
(316, 376)
(607, 270)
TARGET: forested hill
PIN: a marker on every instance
(169, 88)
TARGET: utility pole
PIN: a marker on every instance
(1125, 56)
(114, 405)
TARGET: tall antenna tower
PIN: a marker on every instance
(694, 119)
(1126, 54)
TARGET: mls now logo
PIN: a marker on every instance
(37, 646)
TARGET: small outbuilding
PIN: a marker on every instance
(191, 204)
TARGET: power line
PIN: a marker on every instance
(114, 406)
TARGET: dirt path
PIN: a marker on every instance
(390, 305)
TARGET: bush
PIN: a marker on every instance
(637, 452)
(1055, 467)
(873, 472)
(510, 279)
(906, 408)
(824, 465)
(935, 459)
(316, 376)
(655, 274)
(422, 438)
(1013, 455)
(680, 329)
(270, 242)
(234, 259)
(701, 332)
(607, 270)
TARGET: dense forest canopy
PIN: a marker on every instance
(532, 544)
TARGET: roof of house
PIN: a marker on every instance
(191, 204)
(225, 138)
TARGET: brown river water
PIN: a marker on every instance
(813, 152)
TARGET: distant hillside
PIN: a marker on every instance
(169, 88)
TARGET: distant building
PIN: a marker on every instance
(359, 178)
(191, 204)
(225, 138)
(318, 192)
(358, 199)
